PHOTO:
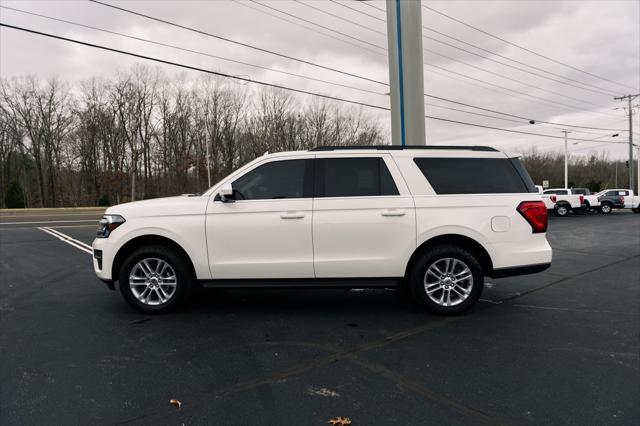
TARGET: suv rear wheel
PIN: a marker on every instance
(561, 210)
(155, 279)
(606, 208)
(447, 280)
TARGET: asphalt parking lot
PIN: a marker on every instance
(559, 347)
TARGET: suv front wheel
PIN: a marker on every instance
(447, 280)
(155, 279)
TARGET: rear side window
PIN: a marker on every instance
(353, 177)
(476, 175)
(275, 180)
(582, 191)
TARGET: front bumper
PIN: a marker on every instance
(102, 259)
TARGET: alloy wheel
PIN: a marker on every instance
(153, 281)
(448, 281)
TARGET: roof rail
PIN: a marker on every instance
(399, 147)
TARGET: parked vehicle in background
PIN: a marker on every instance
(615, 199)
(635, 204)
(561, 201)
(435, 219)
(591, 201)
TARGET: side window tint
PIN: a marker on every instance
(274, 180)
(354, 177)
(387, 185)
(475, 175)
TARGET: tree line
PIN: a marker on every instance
(141, 134)
(595, 171)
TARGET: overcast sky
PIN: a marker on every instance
(600, 37)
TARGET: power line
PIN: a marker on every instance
(598, 90)
(266, 84)
(445, 56)
(192, 51)
(510, 79)
(359, 11)
(487, 58)
(522, 120)
(268, 51)
(330, 68)
(524, 48)
(505, 119)
(244, 4)
(341, 18)
(319, 25)
(176, 64)
(282, 55)
(549, 101)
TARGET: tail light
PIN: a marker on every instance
(582, 199)
(553, 198)
(534, 212)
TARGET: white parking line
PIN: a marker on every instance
(67, 239)
(70, 238)
(46, 221)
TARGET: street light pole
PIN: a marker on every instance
(630, 98)
(404, 38)
(566, 159)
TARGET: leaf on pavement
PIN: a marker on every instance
(176, 403)
(340, 421)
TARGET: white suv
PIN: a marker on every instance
(437, 219)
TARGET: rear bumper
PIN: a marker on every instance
(519, 270)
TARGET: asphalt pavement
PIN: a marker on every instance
(558, 347)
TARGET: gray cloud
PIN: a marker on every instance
(602, 37)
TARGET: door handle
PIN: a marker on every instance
(393, 213)
(291, 215)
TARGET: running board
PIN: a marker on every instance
(313, 283)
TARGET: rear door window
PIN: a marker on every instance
(476, 175)
(353, 177)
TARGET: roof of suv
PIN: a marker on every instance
(400, 151)
(403, 147)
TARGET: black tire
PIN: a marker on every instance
(561, 210)
(437, 254)
(606, 207)
(182, 271)
(636, 209)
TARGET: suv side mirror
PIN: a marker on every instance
(226, 193)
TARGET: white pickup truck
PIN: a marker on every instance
(561, 201)
(618, 199)
(591, 201)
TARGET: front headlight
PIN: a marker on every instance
(107, 224)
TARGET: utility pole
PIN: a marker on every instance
(630, 98)
(404, 38)
(566, 159)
